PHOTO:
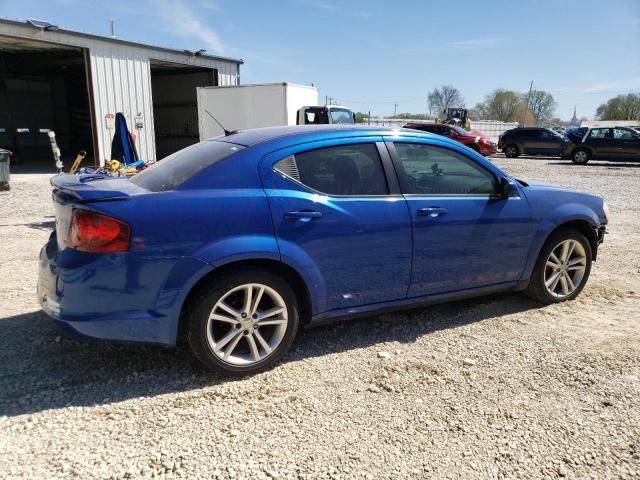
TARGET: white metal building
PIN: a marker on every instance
(74, 83)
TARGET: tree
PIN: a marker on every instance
(622, 107)
(501, 105)
(480, 111)
(412, 116)
(362, 117)
(444, 97)
(541, 105)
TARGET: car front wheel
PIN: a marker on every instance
(562, 268)
(511, 151)
(243, 323)
(580, 157)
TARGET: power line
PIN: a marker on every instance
(374, 102)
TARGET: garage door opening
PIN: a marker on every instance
(175, 107)
(43, 87)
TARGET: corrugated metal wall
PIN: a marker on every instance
(121, 80)
(122, 83)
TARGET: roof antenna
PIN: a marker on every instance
(113, 28)
(226, 132)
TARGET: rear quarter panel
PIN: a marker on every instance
(180, 236)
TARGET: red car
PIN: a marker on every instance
(475, 140)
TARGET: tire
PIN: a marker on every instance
(236, 342)
(547, 284)
(511, 151)
(580, 156)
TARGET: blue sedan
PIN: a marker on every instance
(237, 242)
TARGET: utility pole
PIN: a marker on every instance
(395, 108)
(524, 115)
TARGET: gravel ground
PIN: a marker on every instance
(497, 387)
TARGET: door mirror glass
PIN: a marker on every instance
(507, 188)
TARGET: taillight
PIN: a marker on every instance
(98, 233)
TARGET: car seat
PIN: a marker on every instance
(347, 177)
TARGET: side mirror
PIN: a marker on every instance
(507, 188)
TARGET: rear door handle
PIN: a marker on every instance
(431, 212)
(303, 215)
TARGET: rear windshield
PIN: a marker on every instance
(172, 171)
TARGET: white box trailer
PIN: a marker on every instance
(251, 106)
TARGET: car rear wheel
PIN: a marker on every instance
(580, 156)
(511, 151)
(243, 323)
(562, 268)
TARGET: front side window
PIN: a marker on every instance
(622, 134)
(430, 170)
(600, 133)
(316, 116)
(353, 170)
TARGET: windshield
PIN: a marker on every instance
(172, 171)
(460, 130)
(341, 115)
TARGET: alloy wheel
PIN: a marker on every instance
(511, 151)
(247, 324)
(581, 156)
(565, 268)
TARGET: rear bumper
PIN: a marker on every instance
(103, 297)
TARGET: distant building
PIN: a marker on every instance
(74, 83)
(574, 122)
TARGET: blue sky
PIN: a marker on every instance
(370, 54)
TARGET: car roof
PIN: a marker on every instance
(307, 133)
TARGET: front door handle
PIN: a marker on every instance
(431, 212)
(303, 215)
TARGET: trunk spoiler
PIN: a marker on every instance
(91, 188)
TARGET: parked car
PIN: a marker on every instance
(239, 241)
(475, 140)
(608, 143)
(530, 141)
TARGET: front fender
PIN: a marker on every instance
(550, 221)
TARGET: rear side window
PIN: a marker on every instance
(172, 171)
(345, 170)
